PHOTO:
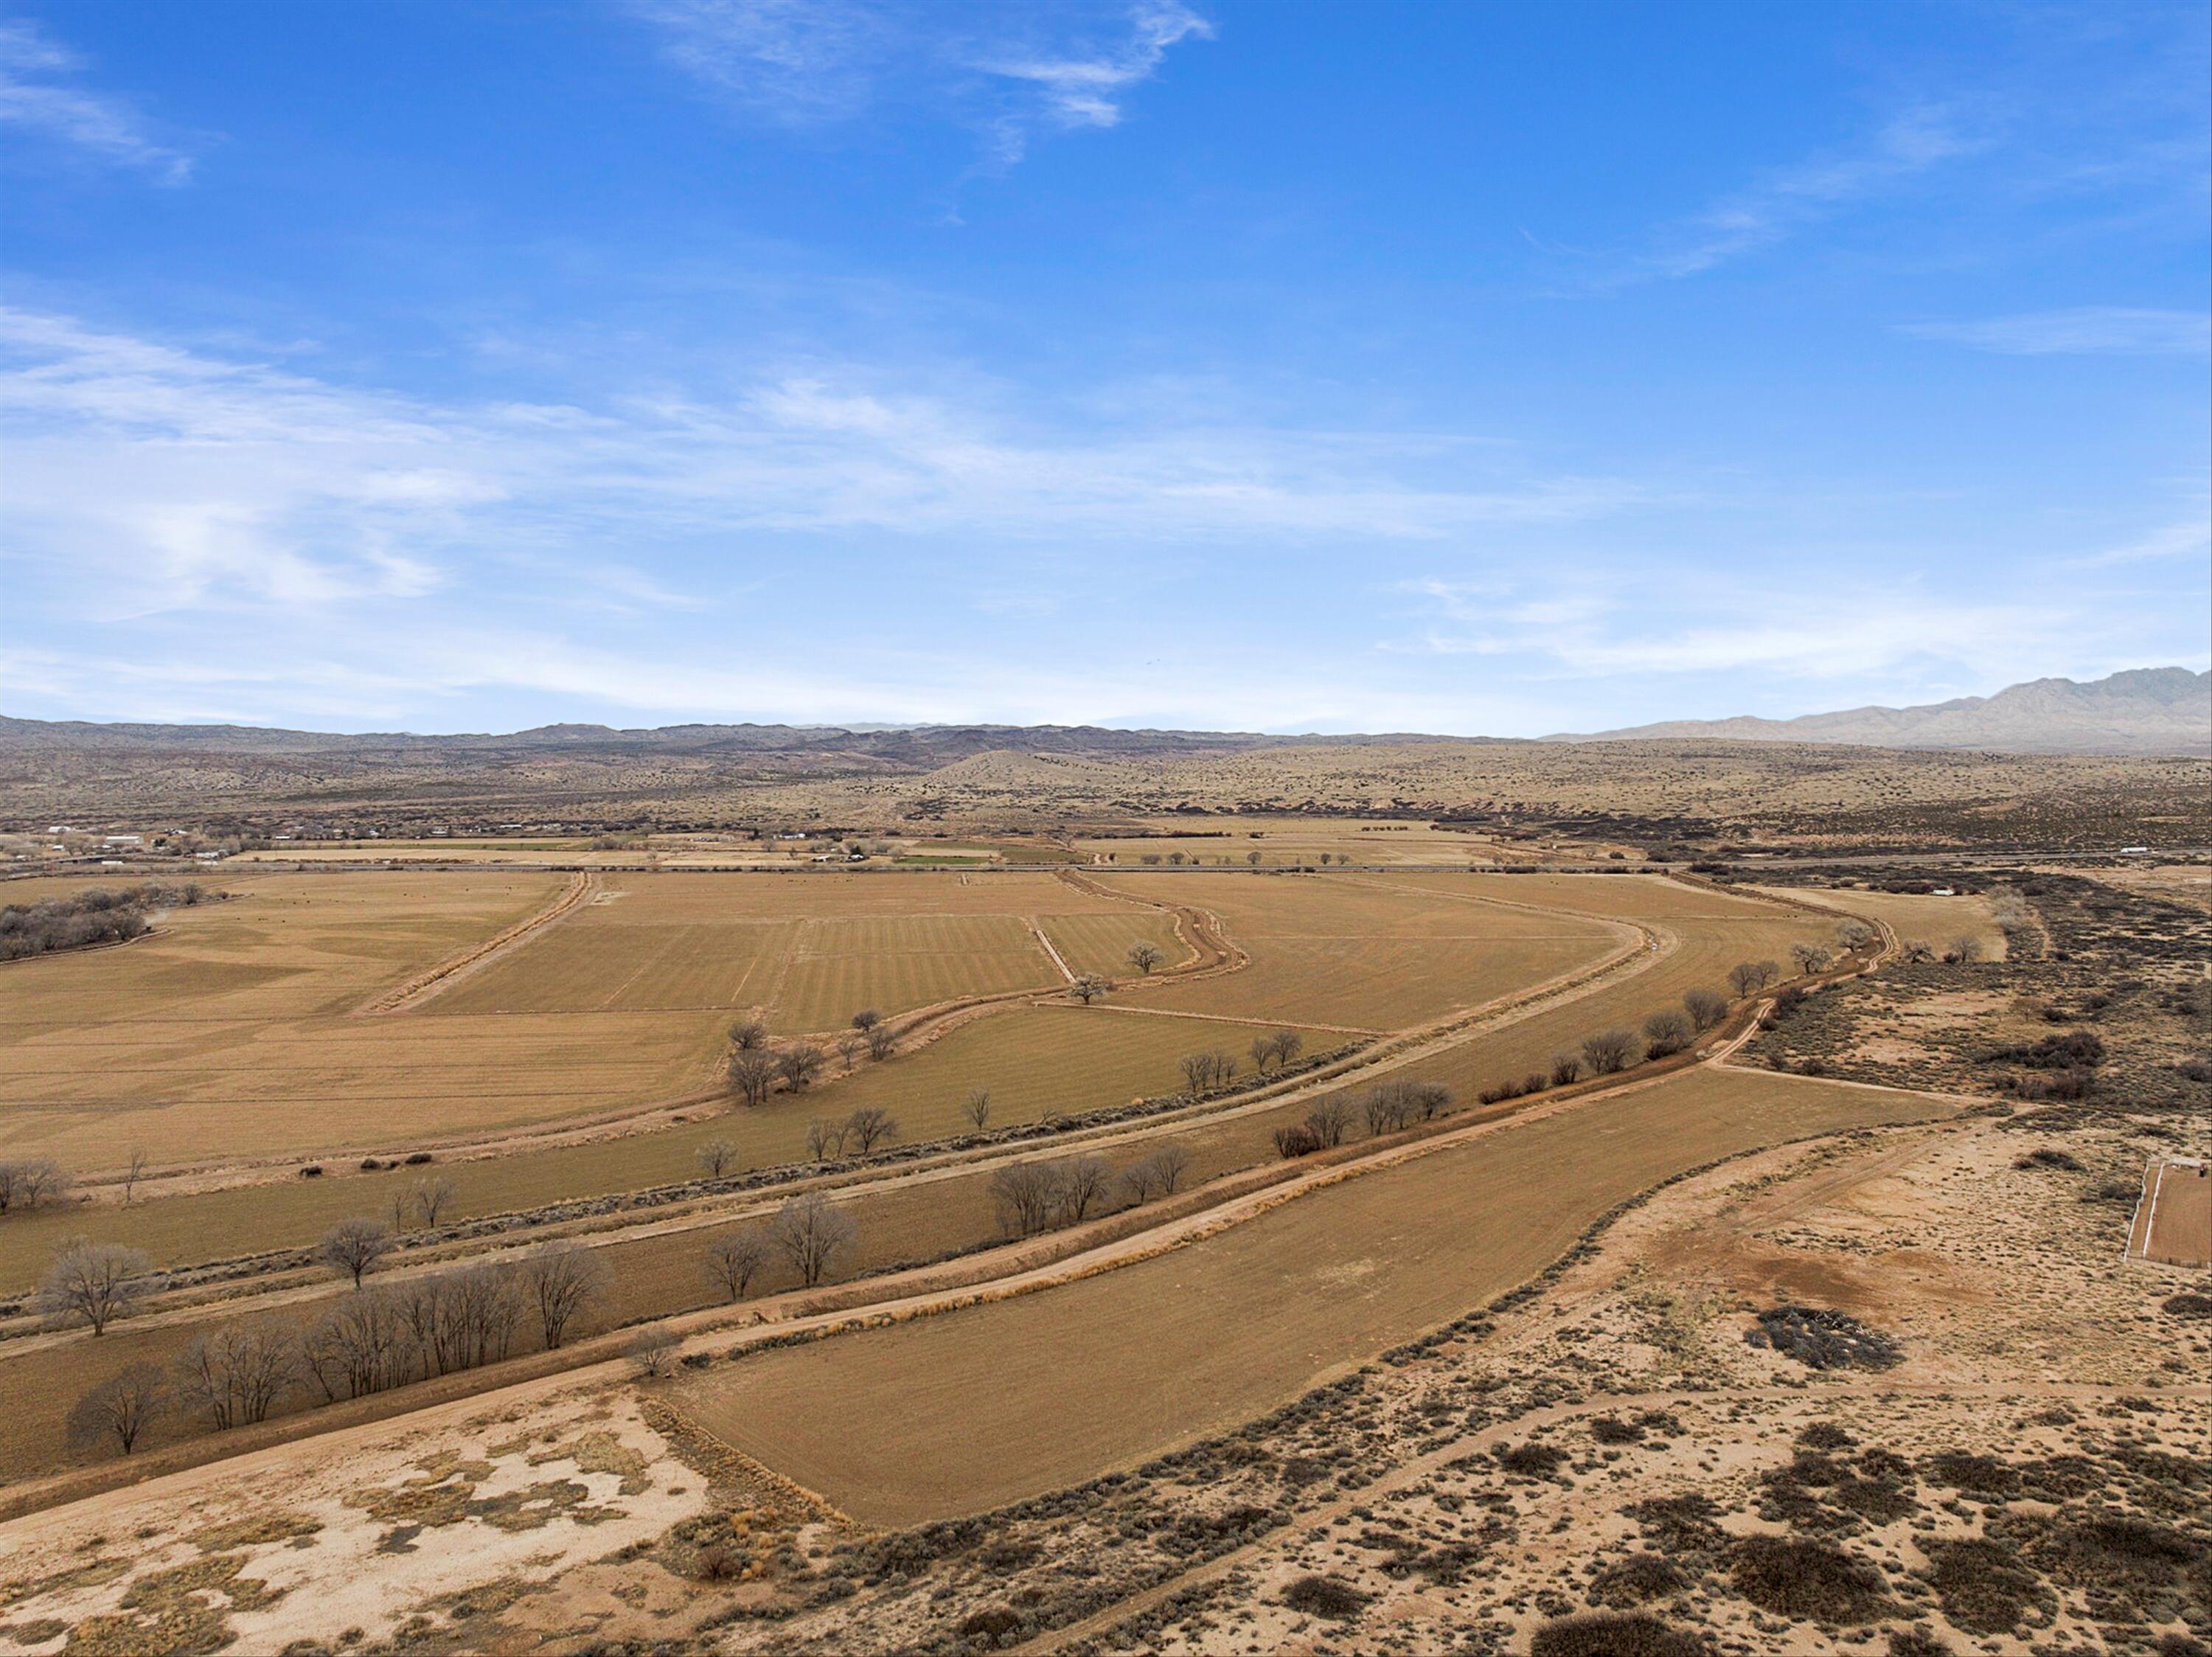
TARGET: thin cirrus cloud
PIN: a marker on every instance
(1004, 70)
(40, 97)
(1790, 200)
(218, 481)
(1613, 627)
(2105, 330)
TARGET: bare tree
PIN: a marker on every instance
(361, 1345)
(132, 1174)
(977, 1109)
(825, 1138)
(799, 1064)
(717, 1157)
(1253, 858)
(882, 1042)
(748, 1035)
(1965, 949)
(1027, 1194)
(118, 1410)
(1295, 1140)
(1394, 1105)
(811, 1232)
(354, 1247)
(652, 1351)
(1328, 1119)
(1204, 1071)
(1767, 970)
(734, 1260)
(1088, 987)
(752, 1074)
(1289, 1044)
(1565, 1068)
(433, 1197)
(867, 1019)
(486, 1310)
(559, 1281)
(1144, 956)
(1706, 1007)
(1855, 933)
(1141, 1180)
(868, 1127)
(1611, 1051)
(848, 1049)
(1811, 957)
(1171, 1160)
(26, 1183)
(1917, 952)
(1667, 1032)
(1084, 1182)
(1748, 978)
(237, 1374)
(93, 1284)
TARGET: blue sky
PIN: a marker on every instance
(1467, 367)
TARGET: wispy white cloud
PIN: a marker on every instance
(1789, 199)
(213, 480)
(1615, 626)
(2185, 538)
(2084, 330)
(38, 96)
(1004, 70)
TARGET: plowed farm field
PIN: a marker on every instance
(1108, 1371)
(807, 952)
(1366, 954)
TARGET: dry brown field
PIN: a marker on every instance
(1036, 1062)
(1008, 1400)
(234, 1031)
(2172, 1221)
(226, 1032)
(1340, 949)
(810, 950)
(1917, 916)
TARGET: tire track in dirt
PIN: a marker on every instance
(423, 986)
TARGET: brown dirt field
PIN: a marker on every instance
(811, 950)
(232, 1020)
(1931, 920)
(2174, 1221)
(1339, 951)
(1036, 1062)
(1108, 1371)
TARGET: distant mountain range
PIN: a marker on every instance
(2148, 710)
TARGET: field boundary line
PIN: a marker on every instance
(1038, 932)
(421, 988)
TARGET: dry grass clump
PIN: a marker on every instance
(1324, 1596)
(1531, 1461)
(1916, 1643)
(1824, 1339)
(1606, 1633)
(1635, 1580)
(1807, 1581)
(1982, 1585)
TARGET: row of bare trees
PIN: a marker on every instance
(808, 1232)
(1385, 1108)
(1035, 1196)
(379, 1337)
